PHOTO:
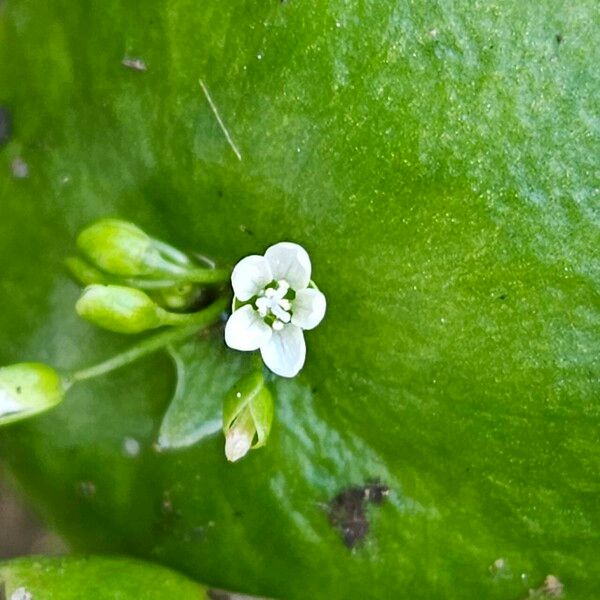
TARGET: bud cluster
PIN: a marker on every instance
(135, 282)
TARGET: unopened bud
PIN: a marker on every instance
(118, 308)
(178, 297)
(27, 389)
(247, 416)
(122, 248)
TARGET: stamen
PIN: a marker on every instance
(280, 313)
(262, 305)
(283, 286)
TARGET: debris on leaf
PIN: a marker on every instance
(551, 588)
(222, 595)
(499, 569)
(21, 594)
(19, 168)
(5, 125)
(136, 64)
(347, 511)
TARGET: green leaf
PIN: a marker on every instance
(439, 161)
(205, 370)
(101, 578)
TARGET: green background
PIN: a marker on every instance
(440, 163)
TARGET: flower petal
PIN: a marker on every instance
(285, 352)
(250, 276)
(237, 444)
(291, 262)
(245, 330)
(308, 308)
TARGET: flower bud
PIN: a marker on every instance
(178, 297)
(121, 248)
(27, 389)
(247, 416)
(118, 308)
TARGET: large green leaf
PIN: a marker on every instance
(440, 163)
(101, 578)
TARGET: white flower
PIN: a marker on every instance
(278, 300)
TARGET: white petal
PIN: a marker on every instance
(290, 262)
(250, 276)
(245, 330)
(237, 444)
(285, 352)
(8, 404)
(308, 308)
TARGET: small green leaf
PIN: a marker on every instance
(205, 370)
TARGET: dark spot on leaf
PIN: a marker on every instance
(222, 595)
(347, 511)
(5, 125)
(244, 229)
(502, 297)
(87, 489)
(199, 533)
(219, 193)
(559, 38)
(19, 389)
(218, 595)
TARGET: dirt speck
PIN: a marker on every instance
(559, 38)
(222, 595)
(5, 125)
(21, 594)
(499, 569)
(348, 510)
(87, 489)
(19, 168)
(551, 588)
(135, 64)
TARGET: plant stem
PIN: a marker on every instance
(189, 275)
(205, 276)
(196, 322)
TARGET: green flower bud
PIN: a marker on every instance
(247, 416)
(27, 389)
(121, 248)
(122, 309)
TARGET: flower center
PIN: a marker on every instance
(273, 306)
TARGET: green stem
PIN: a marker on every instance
(151, 344)
(205, 276)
